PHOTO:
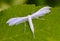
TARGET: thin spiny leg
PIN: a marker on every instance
(42, 19)
(25, 27)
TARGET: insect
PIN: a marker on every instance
(18, 20)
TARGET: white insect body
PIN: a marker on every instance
(31, 24)
(17, 20)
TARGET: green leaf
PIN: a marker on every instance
(47, 28)
(40, 2)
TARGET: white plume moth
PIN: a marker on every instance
(40, 12)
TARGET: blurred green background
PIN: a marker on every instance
(47, 28)
(7, 3)
(36, 2)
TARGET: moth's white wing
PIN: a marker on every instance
(10, 20)
(21, 20)
(16, 21)
(41, 12)
(47, 7)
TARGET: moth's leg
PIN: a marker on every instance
(24, 27)
(42, 19)
(37, 17)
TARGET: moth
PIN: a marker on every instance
(39, 13)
